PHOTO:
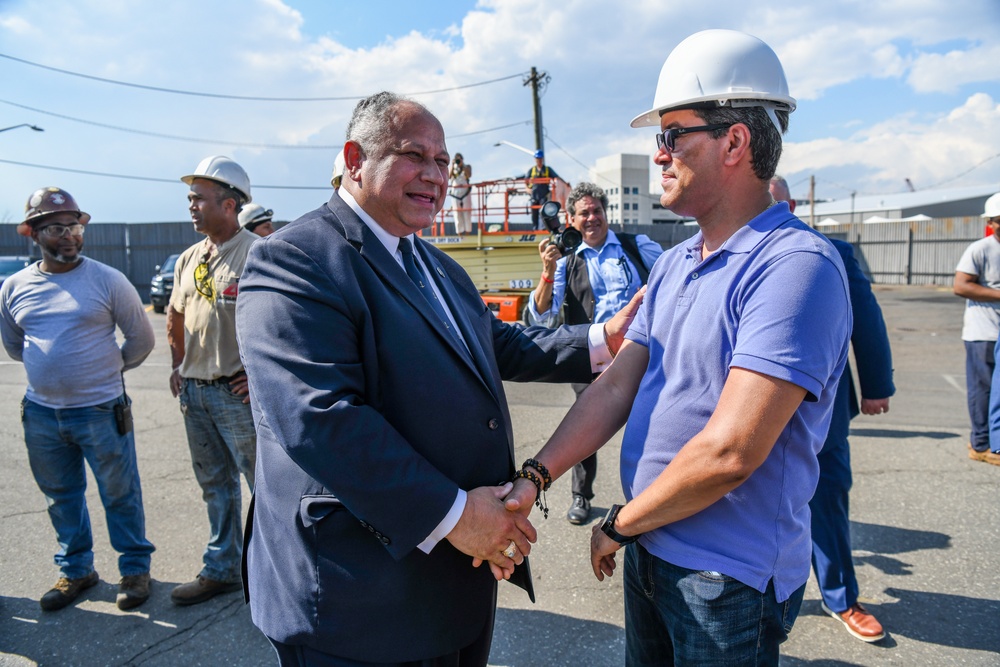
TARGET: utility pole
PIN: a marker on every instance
(812, 201)
(537, 80)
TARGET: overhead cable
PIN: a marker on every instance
(253, 98)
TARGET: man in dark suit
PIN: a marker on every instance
(831, 529)
(375, 497)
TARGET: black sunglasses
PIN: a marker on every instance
(666, 140)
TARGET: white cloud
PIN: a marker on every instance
(936, 72)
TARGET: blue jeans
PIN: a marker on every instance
(994, 409)
(979, 364)
(676, 616)
(58, 443)
(223, 444)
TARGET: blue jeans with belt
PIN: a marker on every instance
(59, 441)
(676, 616)
(223, 444)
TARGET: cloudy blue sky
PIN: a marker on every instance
(887, 89)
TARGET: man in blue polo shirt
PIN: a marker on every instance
(727, 378)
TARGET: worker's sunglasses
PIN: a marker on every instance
(58, 231)
(665, 140)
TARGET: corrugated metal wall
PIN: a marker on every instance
(892, 253)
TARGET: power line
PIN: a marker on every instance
(173, 137)
(492, 129)
(152, 179)
(254, 98)
(958, 176)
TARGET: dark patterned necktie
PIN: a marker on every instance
(420, 280)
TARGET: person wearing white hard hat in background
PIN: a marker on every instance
(58, 317)
(977, 278)
(338, 171)
(208, 376)
(257, 219)
(459, 190)
(726, 380)
(830, 504)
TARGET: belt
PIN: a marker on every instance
(223, 381)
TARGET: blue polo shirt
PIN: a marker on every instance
(774, 300)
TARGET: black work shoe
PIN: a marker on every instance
(579, 511)
(202, 589)
(67, 590)
(133, 590)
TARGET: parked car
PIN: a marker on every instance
(11, 264)
(162, 284)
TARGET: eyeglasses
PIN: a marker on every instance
(58, 231)
(204, 283)
(665, 140)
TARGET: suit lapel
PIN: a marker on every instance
(463, 317)
(385, 265)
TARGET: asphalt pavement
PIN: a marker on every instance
(926, 537)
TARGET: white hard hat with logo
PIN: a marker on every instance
(338, 170)
(222, 170)
(992, 208)
(723, 67)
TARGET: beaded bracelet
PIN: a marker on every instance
(540, 501)
(533, 463)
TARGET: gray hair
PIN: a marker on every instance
(373, 120)
(782, 186)
(586, 190)
(765, 140)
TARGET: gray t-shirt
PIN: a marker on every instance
(62, 327)
(982, 318)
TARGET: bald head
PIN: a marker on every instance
(780, 192)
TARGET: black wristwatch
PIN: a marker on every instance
(608, 527)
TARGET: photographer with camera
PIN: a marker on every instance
(594, 280)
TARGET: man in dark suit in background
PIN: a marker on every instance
(831, 529)
(375, 497)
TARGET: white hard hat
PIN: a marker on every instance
(338, 169)
(726, 67)
(223, 170)
(992, 208)
(254, 214)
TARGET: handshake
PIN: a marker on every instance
(494, 526)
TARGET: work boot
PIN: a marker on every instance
(202, 589)
(133, 590)
(67, 590)
(579, 511)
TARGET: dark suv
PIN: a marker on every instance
(162, 284)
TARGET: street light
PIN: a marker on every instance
(520, 148)
(14, 127)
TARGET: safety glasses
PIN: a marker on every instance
(204, 283)
(58, 231)
(665, 140)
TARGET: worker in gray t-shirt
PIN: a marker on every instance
(59, 317)
(977, 278)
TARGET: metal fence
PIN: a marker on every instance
(893, 253)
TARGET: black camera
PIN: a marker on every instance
(567, 240)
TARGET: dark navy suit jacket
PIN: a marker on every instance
(370, 416)
(870, 342)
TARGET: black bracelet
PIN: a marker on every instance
(540, 501)
(533, 463)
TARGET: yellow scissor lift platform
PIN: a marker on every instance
(501, 254)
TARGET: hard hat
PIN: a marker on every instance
(221, 169)
(541, 154)
(46, 201)
(992, 208)
(725, 67)
(338, 170)
(252, 215)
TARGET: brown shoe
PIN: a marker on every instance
(133, 590)
(991, 457)
(977, 455)
(859, 622)
(67, 590)
(202, 589)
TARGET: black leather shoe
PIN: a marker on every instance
(67, 590)
(579, 511)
